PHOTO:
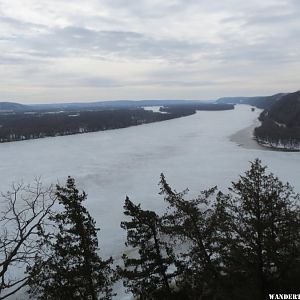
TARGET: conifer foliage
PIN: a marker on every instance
(73, 268)
(147, 274)
(262, 244)
(193, 223)
(238, 245)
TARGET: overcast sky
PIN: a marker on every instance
(62, 50)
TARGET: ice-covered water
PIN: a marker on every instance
(194, 152)
(154, 108)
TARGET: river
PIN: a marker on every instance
(197, 152)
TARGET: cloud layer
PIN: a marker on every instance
(58, 50)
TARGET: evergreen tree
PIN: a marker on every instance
(73, 269)
(194, 224)
(261, 235)
(147, 274)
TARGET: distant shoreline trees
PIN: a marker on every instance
(280, 124)
(278, 136)
(18, 126)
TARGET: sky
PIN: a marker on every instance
(78, 51)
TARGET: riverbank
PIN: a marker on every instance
(245, 137)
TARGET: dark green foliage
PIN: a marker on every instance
(240, 245)
(147, 274)
(193, 224)
(73, 269)
(261, 234)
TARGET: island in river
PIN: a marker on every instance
(20, 122)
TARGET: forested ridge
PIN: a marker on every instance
(280, 119)
(263, 102)
(240, 244)
(23, 125)
(280, 124)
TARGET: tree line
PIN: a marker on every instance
(24, 126)
(17, 126)
(242, 244)
(276, 135)
(280, 123)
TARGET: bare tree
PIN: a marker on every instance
(24, 216)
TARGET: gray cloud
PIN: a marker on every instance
(82, 41)
(18, 24)
(134, 45)
(99, 82)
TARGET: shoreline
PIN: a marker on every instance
(279, 148)
(91, 131)
(244, 138)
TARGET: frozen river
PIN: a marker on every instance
(195, 152)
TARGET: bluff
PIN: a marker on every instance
(280, 124)
(263, 102)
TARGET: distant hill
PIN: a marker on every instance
(11, 106)
(263, 102)
(287, 110)
(23, 122)
(118, 104)
(280, 119)
(280, 124)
